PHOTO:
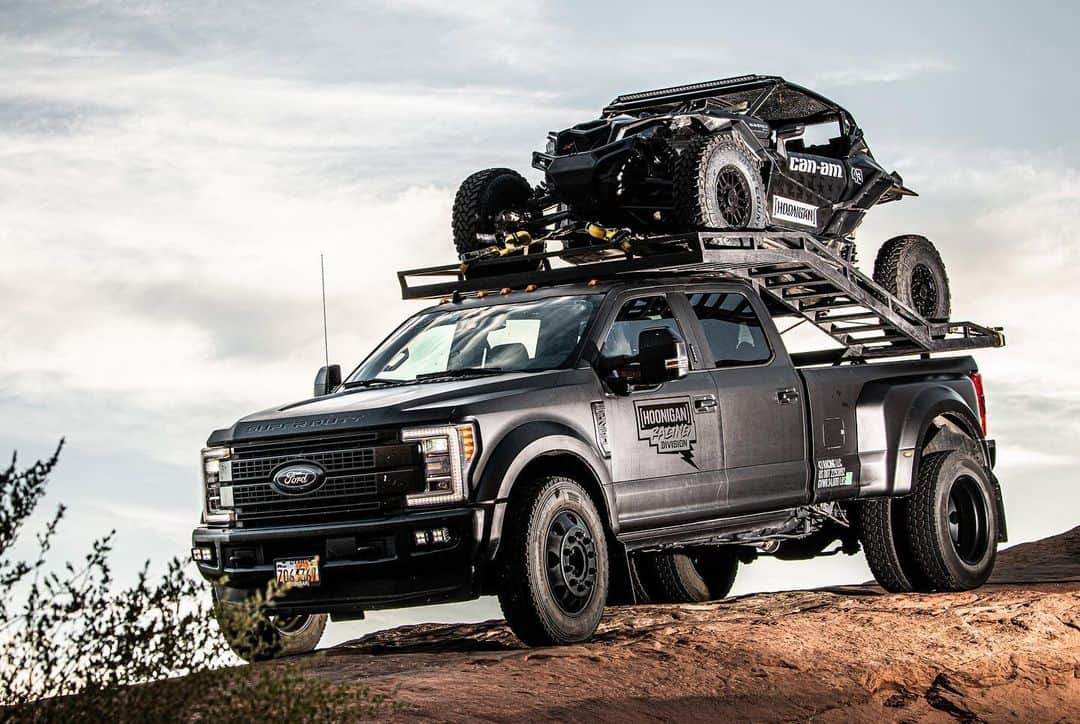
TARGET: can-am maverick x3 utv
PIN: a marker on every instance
(726, 154)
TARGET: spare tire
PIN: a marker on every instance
(718, 185)
(910, 268)
(480, 199)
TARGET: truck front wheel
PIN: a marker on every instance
(553, 566)
(693, 576)
(952, 521)
(259, 638)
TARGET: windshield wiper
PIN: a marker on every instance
(372, 381)
(460, 372)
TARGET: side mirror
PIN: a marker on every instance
(326, 380)
(662, 356)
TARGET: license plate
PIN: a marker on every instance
(297, 572)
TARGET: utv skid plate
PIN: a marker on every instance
(792, 270)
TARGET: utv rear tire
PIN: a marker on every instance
(910, 268)
(553, 565)
(718, 185)
(693, 576)
(480, 198)
(268, 638)
(883, 534)
(952, 521)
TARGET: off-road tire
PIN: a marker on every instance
(693, 576)
(480, 198)
(951, 565)
(533, 606)
(910, 268)
(268, 638)
(883, 534)
(698, 176)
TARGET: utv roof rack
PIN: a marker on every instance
(768, 97)
(789, 269)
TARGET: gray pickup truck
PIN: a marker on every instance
(569, 445)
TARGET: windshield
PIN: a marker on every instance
(515, 337)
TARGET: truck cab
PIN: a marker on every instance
(568, 445)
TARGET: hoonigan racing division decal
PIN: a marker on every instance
(668, 425)
(831, 473)
(794, 211)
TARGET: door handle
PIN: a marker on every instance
(787, 396)
(705, 403)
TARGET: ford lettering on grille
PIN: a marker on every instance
(298, 478)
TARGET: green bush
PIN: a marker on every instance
(77, 648)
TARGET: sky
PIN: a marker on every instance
(171, 171)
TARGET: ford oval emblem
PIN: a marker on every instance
(297, 478)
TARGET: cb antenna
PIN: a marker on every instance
(325, 337)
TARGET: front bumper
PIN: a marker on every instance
(363, 565)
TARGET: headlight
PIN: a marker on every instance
(447, 452)
(216, 469)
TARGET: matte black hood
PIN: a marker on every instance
(376, 407)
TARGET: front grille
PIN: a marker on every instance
(330, 460)
(367, 475)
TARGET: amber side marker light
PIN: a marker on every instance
(594, 282)
(481, 294)
(505, 291)
(468, 442)
(531, 288)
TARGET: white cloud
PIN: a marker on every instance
(865, 73)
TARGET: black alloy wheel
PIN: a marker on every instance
(968, 516)
(924, 291)
(571, 562)
(733, 197)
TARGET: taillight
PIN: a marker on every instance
(980, 396)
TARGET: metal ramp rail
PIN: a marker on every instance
(793, 270)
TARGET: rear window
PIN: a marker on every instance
(732, 328)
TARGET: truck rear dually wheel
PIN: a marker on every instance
(553, 566)
(692, 576)
(952, 521)
(884, 538)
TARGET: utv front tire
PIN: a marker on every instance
(553, 566)
(718, 185)
(952, 521)
(480, 199)
(693, 576)
(263, 638)
(910, 268)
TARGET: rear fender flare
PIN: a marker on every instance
(893, 420)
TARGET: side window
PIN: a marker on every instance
(635, 316)
(732, 328)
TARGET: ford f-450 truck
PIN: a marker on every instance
(569, 445)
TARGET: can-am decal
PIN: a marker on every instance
(668, 425)
(831, 473)
(794, 211)
(857, 175)
(802, 164)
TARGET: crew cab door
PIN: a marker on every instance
(665, 439)
(762, 406)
